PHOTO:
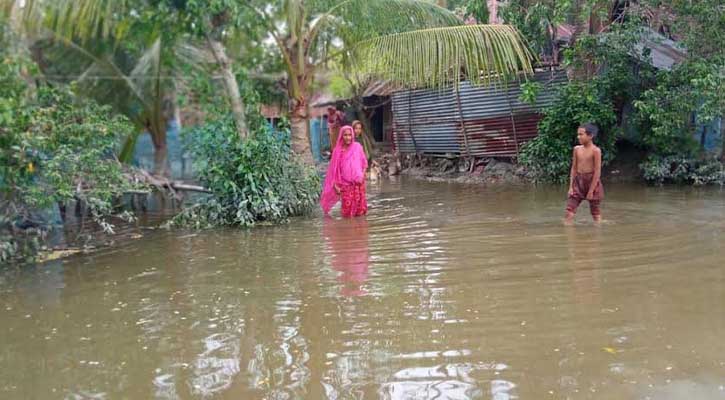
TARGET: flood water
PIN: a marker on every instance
(443, 292)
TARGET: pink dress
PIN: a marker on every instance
(347, 171)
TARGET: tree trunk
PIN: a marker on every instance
(161, 153)
(232, 86)
(492, 12)
(722, 137)
(300, 126)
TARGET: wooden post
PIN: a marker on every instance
(464, 132)
(513, 120)
(410, 120)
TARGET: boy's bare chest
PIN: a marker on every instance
(585, 154)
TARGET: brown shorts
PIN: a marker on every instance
(581, 185)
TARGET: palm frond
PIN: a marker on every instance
(145, 74)
(103, 79)
(193, 54)
(357, 20)
(442, 56)
(381, 17)
(84, 19)
(128, 147)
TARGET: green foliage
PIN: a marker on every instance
(691, 93)
(548, 156)
(253, 180)
(698, 24)
(530, 92)
(434, 57)
(53, 149)
(478, 9)
(683, 170)
(610, 72)
(340, 87)
(58, 151)
(693, 88)
(536, 21)
(622, 70)
(667, 110)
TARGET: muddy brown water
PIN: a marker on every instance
(443, 292)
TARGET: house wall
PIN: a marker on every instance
(480, 121)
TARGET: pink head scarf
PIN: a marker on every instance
(347, 166)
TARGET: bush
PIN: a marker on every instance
(683, 170)
(666, 109)
(253, 180)
(53, 149)
(548, 156)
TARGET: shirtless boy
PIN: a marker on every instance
(586, 171)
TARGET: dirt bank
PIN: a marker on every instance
(486, 170)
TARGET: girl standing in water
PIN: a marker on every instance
(346, 177)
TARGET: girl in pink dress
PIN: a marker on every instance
(345, 177)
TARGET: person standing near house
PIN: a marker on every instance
(586, 172)
(359, 129)
(345, 178)
(335, 120)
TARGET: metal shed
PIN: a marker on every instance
(475, 121)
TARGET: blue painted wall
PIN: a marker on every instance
(180, 162)
(713, 137)
(319, 138)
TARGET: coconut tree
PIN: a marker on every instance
(129, 62)
(140, 85)
(175, 21)
(414, 41)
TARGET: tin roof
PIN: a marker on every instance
(380, 88)
(665, 53)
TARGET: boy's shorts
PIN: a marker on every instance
(581, 185)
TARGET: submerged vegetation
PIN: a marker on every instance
(54, 149)
(251, 181)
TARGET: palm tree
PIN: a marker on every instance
(83, 21)
(135, 75)
(133, 88)
(140, 86)
(412, 41)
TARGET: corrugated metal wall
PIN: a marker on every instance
(478, 121)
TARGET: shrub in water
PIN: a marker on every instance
(548, 156)
(54, 148)
(683, 170)
(252, 180)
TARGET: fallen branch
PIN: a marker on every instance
(178, 185)
(162, 183)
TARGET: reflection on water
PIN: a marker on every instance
(585, 259)
(348, 248)
(442, 292)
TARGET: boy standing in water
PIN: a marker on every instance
(586, 171)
